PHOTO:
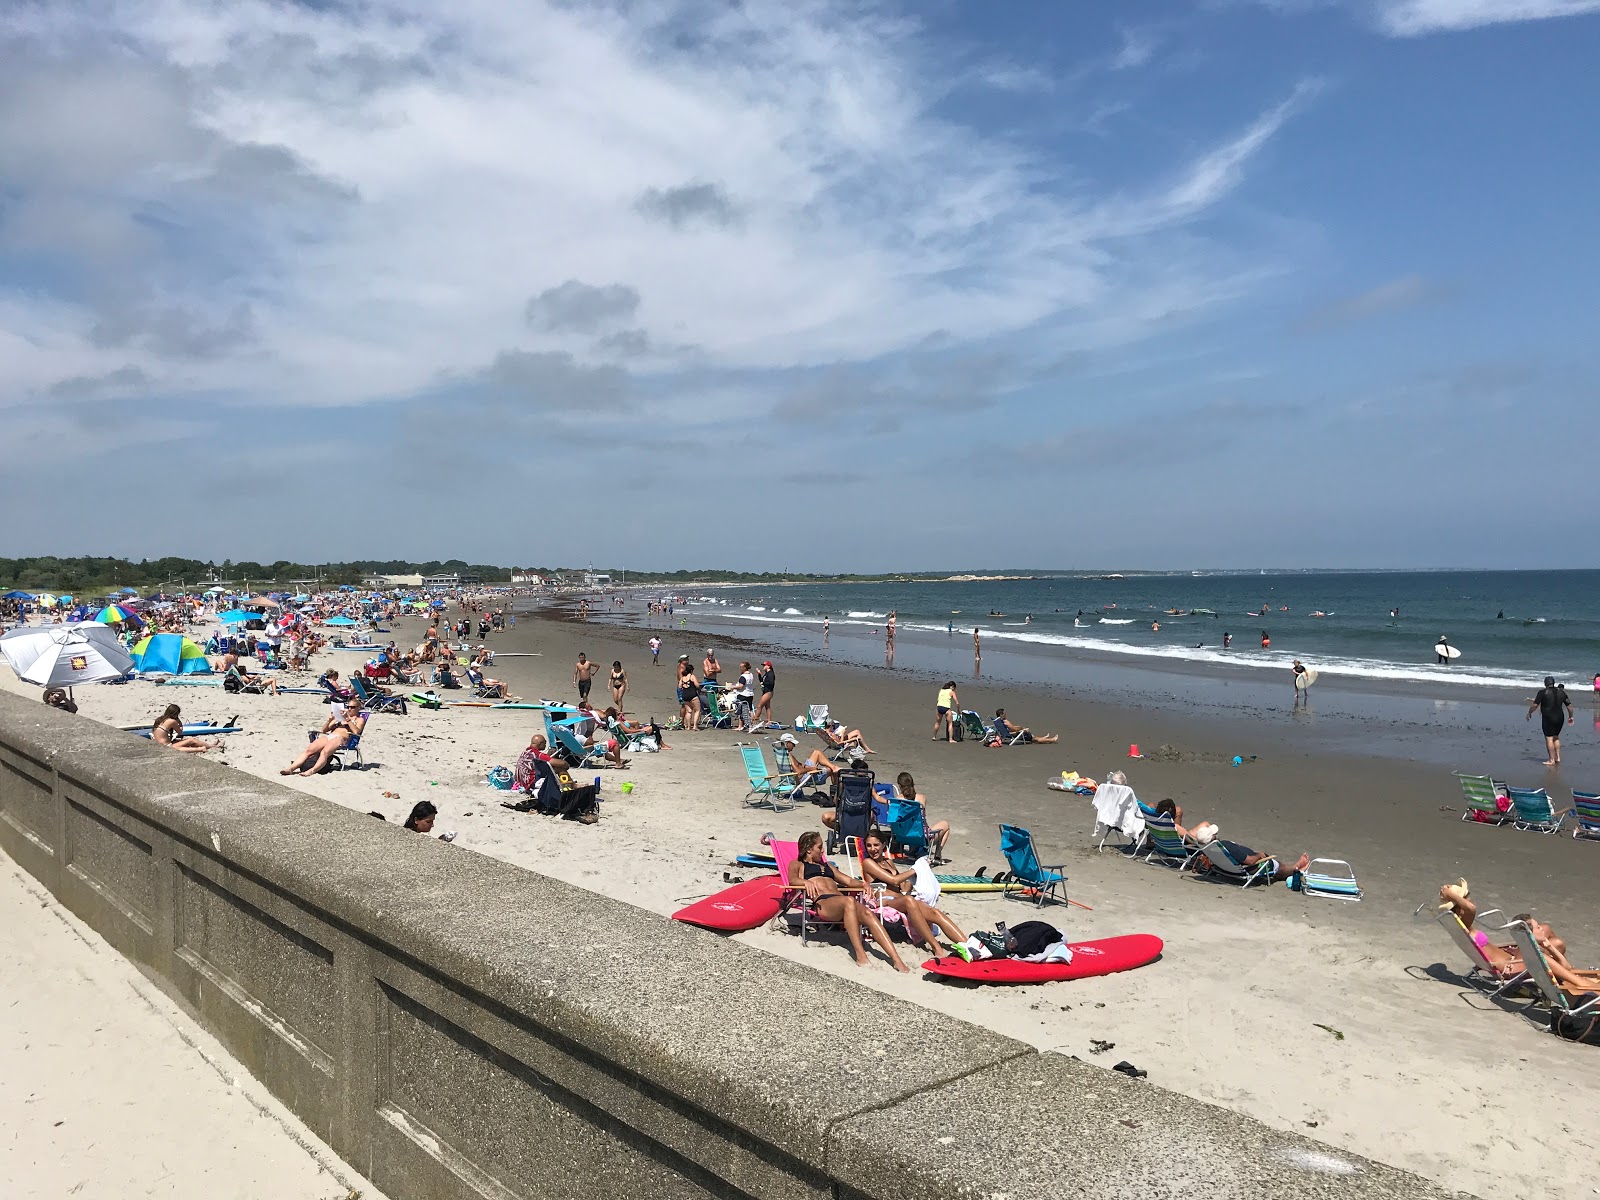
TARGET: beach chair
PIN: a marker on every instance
(1163, 846)
(375, 700)
(854, 808)
(790, 777)
(973, 724)
(1586, 814)
(764, 789)
(712, 714)
(566, 736)
(1539, 974)
(1117, 810)
(795, 909)
(352, 749)
(1531, 810)
(1028, 878)
(1221, 863)
(836, 750)
(242, 684)
(816, 714)
(908, 827)
(1481, 974)
(1481, 795)
(1330, 878)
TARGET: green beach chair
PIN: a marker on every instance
(1482, 795)
(764, 790)
(1532, 810)
(1586, 814)
(1163, 846)
(974, 726)
(1539, 973)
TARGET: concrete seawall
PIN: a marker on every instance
(456, 1027)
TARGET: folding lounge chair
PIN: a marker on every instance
(974, 726)
(712, 714)
(816, 714)
(1482, 974)
(1481, 794)
(1330, 878)
(1163, 845)
(377, 701)
(837, 750)
(764, 789)
(795, 908)
(1531, 809)
(854, 809)
(1117, 810)
(1586, 814)
(248, 685)
(1027, 874)
(1539, 972)
(1223, 864)
(566, 736)
(790, 777)
(352, 748)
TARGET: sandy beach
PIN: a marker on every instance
(1346, 1022)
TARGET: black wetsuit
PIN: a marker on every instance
(1553, 703)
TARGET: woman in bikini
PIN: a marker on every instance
(921, 917)
(619, 685)
(1506, 959)
(168, 732)
(825, 886)
(337, 732)
(688, 695)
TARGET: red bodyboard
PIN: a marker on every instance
(1104, 957)
(733, 910)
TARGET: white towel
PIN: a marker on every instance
(926, 885)
(1116, 807)
(1060, 952)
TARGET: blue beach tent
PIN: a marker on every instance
(171, 653)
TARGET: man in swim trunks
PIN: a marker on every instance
(583, 675)
(1550, 701)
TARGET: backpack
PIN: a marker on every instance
(1578, 1027)
(957, 727)
(232, 684)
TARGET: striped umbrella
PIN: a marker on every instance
(115, 614)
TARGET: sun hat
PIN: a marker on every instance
(789, 739)
(683, 658)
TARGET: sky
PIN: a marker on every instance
(829, 286)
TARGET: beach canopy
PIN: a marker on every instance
(212, 591)
(115, 614)
(238, 616)
(171, 653)
(129, 592)
(339, 621)
(65, 655)
(15, 595)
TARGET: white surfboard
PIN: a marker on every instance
(1447, 651)
(1306, 678)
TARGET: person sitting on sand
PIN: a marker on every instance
(900, 894)
(337, 732)
(523, 772)
(168, 732)
(423, 814)
(938, 831)
(1506, 958)
(826, 886)
(1011, 731)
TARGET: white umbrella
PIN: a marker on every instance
(66, 655)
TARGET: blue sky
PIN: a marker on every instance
(833, 286)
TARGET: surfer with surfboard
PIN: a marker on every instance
(1443, 651)
(1304, 677)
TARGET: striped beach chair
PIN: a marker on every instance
(1482, 795)
(1163, 845)
(1586, 814)
(1330, 878)
(1531, 809)
(1539, 972)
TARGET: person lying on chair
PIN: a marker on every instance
(338, 731)
(851, 739)
(231, 664)
(1009, 730)
(1506, 958)
(492, 689)
(826, 886)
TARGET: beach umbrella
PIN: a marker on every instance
(171, 653)
(237, 616)
(128, 592)
(116, 614)
(65, 655)
(212, 591)
(338, 621)
(266, 600)
(46, 600)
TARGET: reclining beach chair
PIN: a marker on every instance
(764, 789)
(375, 699)
(1117, 810)
(1586, 814)
(1163, 845)
(795, 909)
(1531, 809)
(246, 685)
(1028, 877)
(1330, 878)
(836, 750)
(790, 777)
(1539, 973)
(853, 790)
(566, 736)
(352, 748)
(816, 714)
(1482, 974)
(712, 714)
(973, 724)
(1481, 795)
(1221, 863)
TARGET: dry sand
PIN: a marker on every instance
(1247, 1006)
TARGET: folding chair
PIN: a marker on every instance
(1324, 878)
(1586, 812)
(1482, 795)
(1162, 844)
(764, 790)
(854, 810)
(1223, 864)
(974, 726)
(376, 700)
(1539, 973)
(566, 736)
(1027, 874)
(1482, 974)
(1532, 810)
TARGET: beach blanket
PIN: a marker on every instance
(1116, 807)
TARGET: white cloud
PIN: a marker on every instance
(314, 204)
(1410, 18)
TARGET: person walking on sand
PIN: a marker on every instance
(945, 712)
(583, 675)
(768, 680)
(655, 651)
(1302, 684)
(1550, 701)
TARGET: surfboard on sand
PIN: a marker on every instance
(1089, 959)
(1305, 679)
(1449, 652)
(735, 909)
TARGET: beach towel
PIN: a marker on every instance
(926, 885)
(1116, 807)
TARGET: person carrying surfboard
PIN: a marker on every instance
(1442, 651)
(1304, 677)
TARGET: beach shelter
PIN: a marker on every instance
(65, 655)
(171, 653)
(339, 621)
(46, 600)
(129, 592)
(18, 595)
(115, 614)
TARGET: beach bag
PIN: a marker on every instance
(232, 685)
(501, 778)
(956, 728)
(1577, 1027)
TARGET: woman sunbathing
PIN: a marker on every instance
(1506, 958)
(850, 739)
(1203, 831)
(825, 885)
(921, 916)
(168, 732)
(337, 732)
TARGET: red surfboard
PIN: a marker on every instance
(1104, 957)
(733, 910)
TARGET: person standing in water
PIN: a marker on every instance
(1266, 640)
(1227, 640)
(1550, 701)
(977, 646)
(1441, 651)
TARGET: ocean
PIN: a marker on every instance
(1512, 628)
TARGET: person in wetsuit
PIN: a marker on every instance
(1550, 701)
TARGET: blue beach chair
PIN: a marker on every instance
(1586, 812)
(1330, 878)
(572, 746)
(764, 790)
(1027, 874)
(1531, 809)
(1163, 845)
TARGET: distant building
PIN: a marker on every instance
(441, 582)
(380, 582)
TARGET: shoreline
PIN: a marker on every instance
(1232, 1013)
